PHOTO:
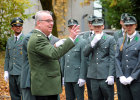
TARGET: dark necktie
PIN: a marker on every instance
(90, 33)
(15, 39)
(48, 38)
(128, 40)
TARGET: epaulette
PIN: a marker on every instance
(38, 35)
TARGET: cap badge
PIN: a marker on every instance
(128, 19)
(72, 21)
(96, 20)
(17, 21)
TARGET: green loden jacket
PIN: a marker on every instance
(44, 64)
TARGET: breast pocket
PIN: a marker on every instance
(76, 51)
(104, 49)
(133, 51)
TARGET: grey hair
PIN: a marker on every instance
(38, 15)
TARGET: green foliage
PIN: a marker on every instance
(136, 12)
(8, 10)
(112, 10)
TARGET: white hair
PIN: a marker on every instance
(38, 15)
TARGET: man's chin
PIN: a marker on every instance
(18, 32)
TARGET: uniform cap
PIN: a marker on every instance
(72, 22)
(16, 21)
(130, 20)
(124, 15)
(91, 17)
(97, 22)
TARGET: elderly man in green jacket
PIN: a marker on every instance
(43, 58)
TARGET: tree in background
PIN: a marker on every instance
(8, 10)
(112, 10)
(59, 9)
(47, 5)
(136, 11)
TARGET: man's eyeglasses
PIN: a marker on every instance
(48, 21)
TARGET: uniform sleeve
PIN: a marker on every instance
(7, 57)
(136, 71)
(83, 69)
(44, 48)
(112, 57)
(118, 55)
(62, 65)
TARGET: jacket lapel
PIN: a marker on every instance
(19, 40)
(120, 34)
(134, 40)
(103, 39)
(12, 41)
(77, 40)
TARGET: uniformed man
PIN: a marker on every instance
(101, 69)
(118, 34)
(13, 59)
(91, 31)
(87, 36)
(25, 72)
(74, 68)
(128, 60)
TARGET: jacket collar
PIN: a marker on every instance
(134, 40)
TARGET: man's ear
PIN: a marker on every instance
(103, 26)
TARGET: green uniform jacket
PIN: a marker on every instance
(25, 73)
(74, 62)
(53, 39)
(118, 34)
(128, 60)
(44, 64)
(103, 56)
(13, 57)
(86, 34)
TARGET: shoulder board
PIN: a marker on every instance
(38, 35)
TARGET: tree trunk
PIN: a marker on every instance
(47, 5)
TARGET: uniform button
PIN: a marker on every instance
(126, 55)
(79, 67)
(127, 66)
(97, 53)
(126, 60)
(67, 66)
(97, 63)
(97, 58)
(68, 55)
